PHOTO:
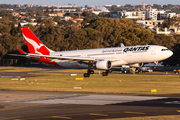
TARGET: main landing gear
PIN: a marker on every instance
(89, 71)
(106, 73)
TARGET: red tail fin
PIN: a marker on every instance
(33, 43)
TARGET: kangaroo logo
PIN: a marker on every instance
(35, 45)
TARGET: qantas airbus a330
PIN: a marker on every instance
(103, 58)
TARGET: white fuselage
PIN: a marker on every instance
(118, 55)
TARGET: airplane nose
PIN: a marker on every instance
(170, 53)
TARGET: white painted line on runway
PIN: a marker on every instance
(96, 99)
(62, 117)
(44, 98)
(10, 76)
(96, 114)
(134, 112)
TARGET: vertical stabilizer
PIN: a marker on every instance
(35, 46)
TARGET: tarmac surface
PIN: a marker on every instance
(27, 105)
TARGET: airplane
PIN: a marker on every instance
(102, 58)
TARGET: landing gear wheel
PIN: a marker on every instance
(104, 74)
(90, 71)
(86, 74)
(109, 71)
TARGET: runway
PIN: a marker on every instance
(29, 105)
(26, 105)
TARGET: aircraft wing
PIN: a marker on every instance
(66, 57)
(56, 57)
(21, 55)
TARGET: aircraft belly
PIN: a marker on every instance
(118, 63)
(68, 64)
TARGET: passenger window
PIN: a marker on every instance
(164, 49)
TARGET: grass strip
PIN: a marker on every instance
(114, 83)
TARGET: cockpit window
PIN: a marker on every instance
(164, 49)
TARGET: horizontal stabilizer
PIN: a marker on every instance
(21, 51)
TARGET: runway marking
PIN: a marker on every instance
(134, 112)
(115, 112)
(36, 118)
(61, 117)
(10, 76)
(178, 111)
(98, 114)
(95, 99)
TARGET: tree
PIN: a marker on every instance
(5, 20)
(87, 20)
(52, 9)
(47, 10)
(116, 31)
(169, 22)
(102, 14)
(4, 28)
(114, 8)
(89, 14)
(70, 14)
(5, 13)
(157, 6)
(14, 31)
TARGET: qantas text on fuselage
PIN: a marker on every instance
(128, 49)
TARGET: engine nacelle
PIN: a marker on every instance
(103, 65)
(136, 65)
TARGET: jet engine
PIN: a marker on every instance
(103, 65)
(136, 65)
